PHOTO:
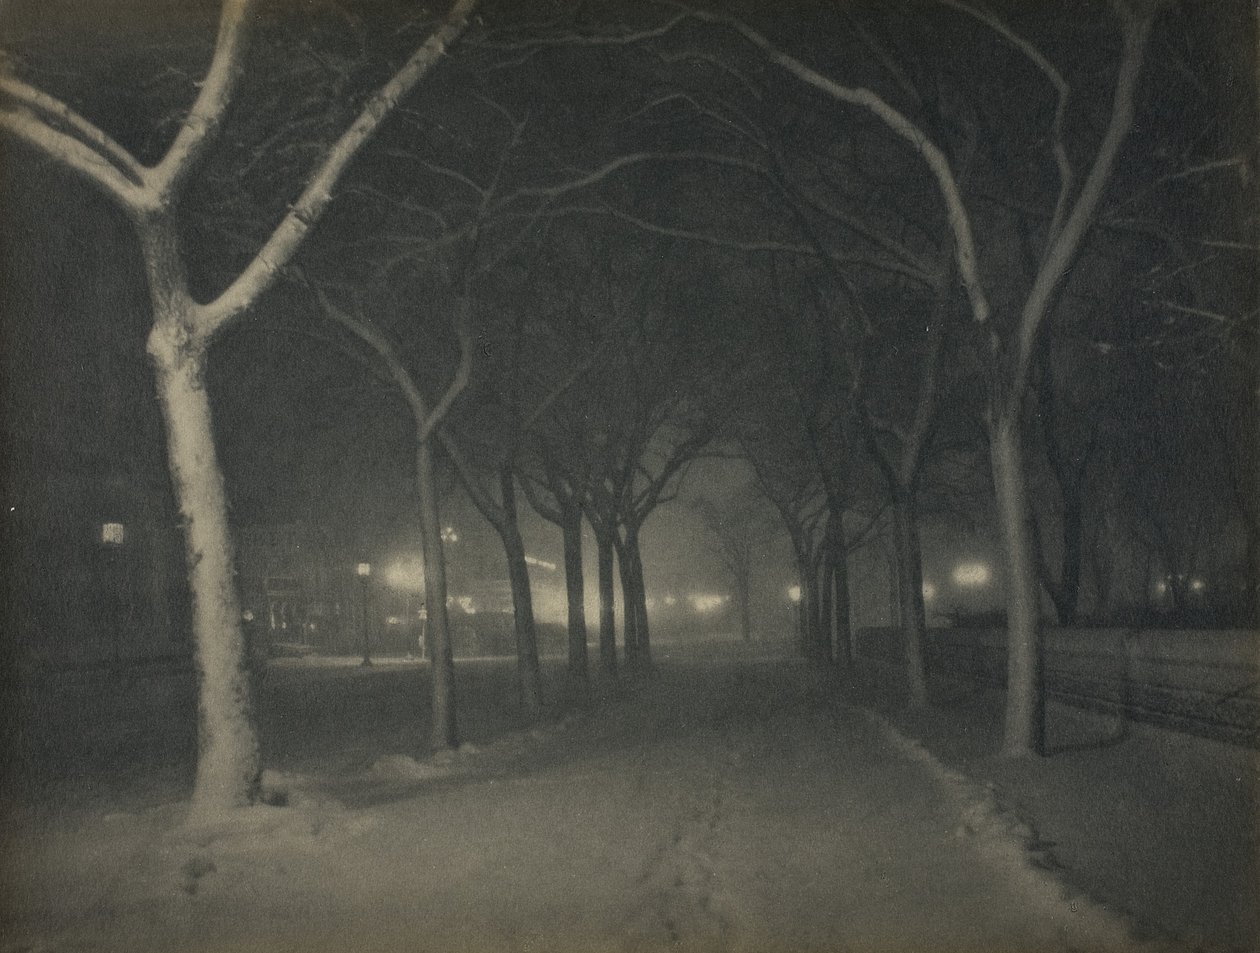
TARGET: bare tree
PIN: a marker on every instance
(1010, 347)
(153, 198)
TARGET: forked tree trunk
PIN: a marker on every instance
(445, 730)
(607, 606)
(1025, 704)
(910, 593)
(575, 590)
(228, 764)
(528, 678)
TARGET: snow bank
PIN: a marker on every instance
(1012, 845)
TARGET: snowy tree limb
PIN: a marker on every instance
(1038, 59)
(263, 270)
(199, 128)
(73, 154)
(54, 113)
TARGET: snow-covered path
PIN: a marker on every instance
(725, 807)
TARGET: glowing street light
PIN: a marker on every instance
(971, 575)
(113, 537)
(929, 591)
(794, 593)
(364, 572)
(705, 602)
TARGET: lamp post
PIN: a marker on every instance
(364, 572)
(113, 536)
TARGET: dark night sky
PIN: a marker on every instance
(302, 430)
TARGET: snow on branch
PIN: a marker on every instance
(284, 242)
(55, 113)
(387, 352)
(1039, 60)
(1062, 251)
(901, 125)
(204, 119)
(74, 154)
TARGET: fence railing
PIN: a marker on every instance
(1204, 682)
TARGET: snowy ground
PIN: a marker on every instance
(729, 805)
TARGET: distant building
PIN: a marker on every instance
(298, 588)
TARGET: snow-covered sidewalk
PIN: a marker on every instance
(727, 806)
(1160, 825)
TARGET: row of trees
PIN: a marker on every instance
(850, 257)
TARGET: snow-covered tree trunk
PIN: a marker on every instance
(151, 195)
(1012, 351)
(228, 765)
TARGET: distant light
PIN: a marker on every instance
(929, 591)
(465, 603)
(705, 602)
(407, 574)
(449, 535)
(113, 534)
(1197, 585)
(540, 563)
(794, 593)
(671, 600)
(363, 569)
(971, 575)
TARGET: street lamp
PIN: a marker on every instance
(364, 572)
(112, 538)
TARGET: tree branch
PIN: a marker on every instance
(1062, 89)
(261, 273)
(205, 118)
(57, 113)
(904, 128)
(73, 154)
(1062, 251)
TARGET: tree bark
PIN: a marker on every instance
(1067, 594)
(228, 764)
(826, 607)
(528, 678)
(910, 593)
(844, 622)
(638, 660)
(1025, 704)
(607, 606)
(575, 590)
(629, 603)
(445, 730)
